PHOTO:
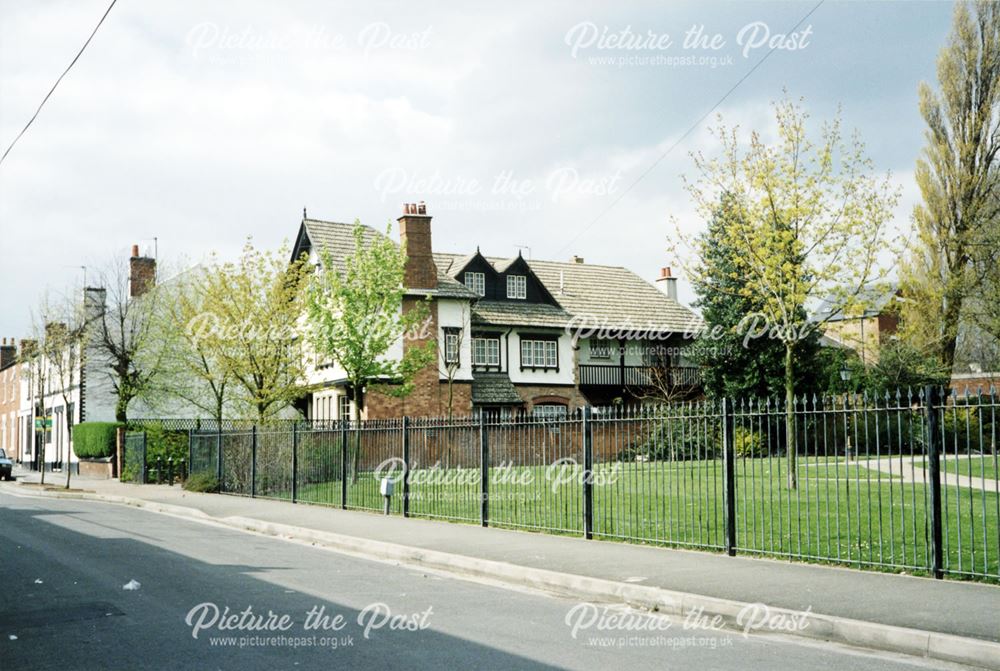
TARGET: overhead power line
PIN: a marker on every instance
(52, 90)
(690, 130)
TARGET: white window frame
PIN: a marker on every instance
(476, 282)
(486, 352)
(539, 353)
(550, 411)
(451, 347)
(517, 287)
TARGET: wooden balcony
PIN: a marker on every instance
(598, 375)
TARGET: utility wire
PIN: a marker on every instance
(676, 142)
(52, 90)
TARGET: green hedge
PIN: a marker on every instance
(94, 440)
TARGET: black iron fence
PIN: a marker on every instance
(905, 481)
(141, 466)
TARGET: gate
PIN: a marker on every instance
(134, 467)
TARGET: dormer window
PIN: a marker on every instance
(476, 282)
(517, 287)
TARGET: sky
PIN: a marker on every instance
(552, 130)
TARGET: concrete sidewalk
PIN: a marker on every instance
(964, 609)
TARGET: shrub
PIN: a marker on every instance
(164, 443)
(748, 443)
(94, 440)
(962, 431)
(678, 433)
(202, 482)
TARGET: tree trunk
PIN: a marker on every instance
(69, 444)
(121, 411)
(357, 433)
(950, 318)
(790, 417)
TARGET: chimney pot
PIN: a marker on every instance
(135, 251)
(577, 259)
(667, 283)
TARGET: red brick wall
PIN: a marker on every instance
(536, 394)
(429, 397)
(976, 382)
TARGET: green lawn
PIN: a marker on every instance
(978, 466)
(840, 512)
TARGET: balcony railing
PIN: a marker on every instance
(598, 375)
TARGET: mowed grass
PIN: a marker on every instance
(840, 512)
(976, 466)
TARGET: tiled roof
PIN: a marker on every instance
(493, 388)
(873, 299)
(509, 313)
(338, 240)
(604, 296)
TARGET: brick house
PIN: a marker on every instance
(864, 331)
(516, 335)
(10, 400)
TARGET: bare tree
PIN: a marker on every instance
(450, 360)
(194, 369)
(125, 336)
(64, 351)
(34, 364)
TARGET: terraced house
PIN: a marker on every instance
(518, 335)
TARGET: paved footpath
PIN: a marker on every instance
(960, 608)
(913, 470)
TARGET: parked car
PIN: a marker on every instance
(6, 466)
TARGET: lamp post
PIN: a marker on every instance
(845, 375)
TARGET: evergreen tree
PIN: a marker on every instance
(733, 365)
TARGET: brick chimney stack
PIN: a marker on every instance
(8, 353)
(142, 273)
(667, 283)
(415, 234)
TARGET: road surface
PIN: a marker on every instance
(64, 564)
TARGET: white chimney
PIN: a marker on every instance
(667, 283)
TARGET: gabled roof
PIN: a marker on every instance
(876, 300)
(605, 296)
(338, 239)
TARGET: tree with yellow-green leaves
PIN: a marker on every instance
(356, 315)
(807, 219)
(242, 330)
(949, 272)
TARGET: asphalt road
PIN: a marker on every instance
(63, 565)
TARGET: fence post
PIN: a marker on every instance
(729, 475)
(144, 474)
(484, 471)
(218, 456)
(295, 462)
(190, 458)
(406, 466)
(588, 473)
(170, 471)
(934, 474)
(343, 463)
(253, 461)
